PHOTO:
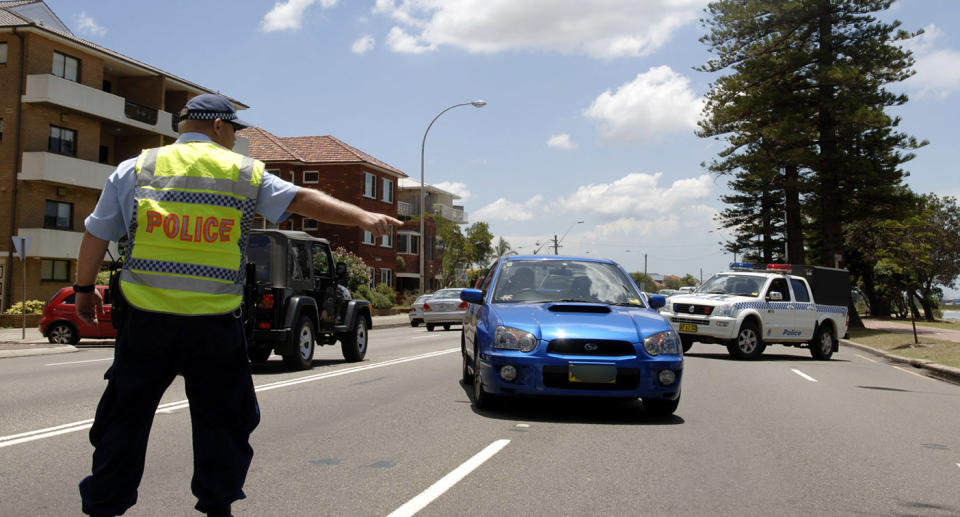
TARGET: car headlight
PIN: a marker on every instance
(509, 338)
(723, 311)
(666, 342)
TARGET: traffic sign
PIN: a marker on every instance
(21, 244)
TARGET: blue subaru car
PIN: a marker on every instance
(569, 326)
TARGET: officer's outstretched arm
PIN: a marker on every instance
(89, 259)
(323, 207)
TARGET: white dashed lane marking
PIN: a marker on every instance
(805, 376)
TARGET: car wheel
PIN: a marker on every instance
(465, 365)
(429, 327)
(415, 323)
(354, 344)
(300, 351)
(259, 355)
(660, 407)
(748, 344)
(687, 342)
(822, 345)
(63, 334)
(481, 399)
(446, 326)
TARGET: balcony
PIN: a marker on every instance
(452, 214)
(45, 88)
(406, 209)
(57, 168)
(58, 244)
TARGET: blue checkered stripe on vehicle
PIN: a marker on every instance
(181, 268)
(832, 309)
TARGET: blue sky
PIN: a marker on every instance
(591, 104)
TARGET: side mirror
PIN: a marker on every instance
(657, 300)
(474, 296)
(775, 296)
(341, 270)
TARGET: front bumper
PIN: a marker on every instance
(717, 328)
(636, 377)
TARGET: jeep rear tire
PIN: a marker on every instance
(299, 354)
(748, 344)
(821, 348)
(354, 343)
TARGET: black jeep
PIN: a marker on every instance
(293, 300)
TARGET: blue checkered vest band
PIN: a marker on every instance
(194, 203)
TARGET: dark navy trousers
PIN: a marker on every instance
(151, 350)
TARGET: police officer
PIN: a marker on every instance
(185, 209)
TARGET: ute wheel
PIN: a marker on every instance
(415, 323)
(687, 342)
(354, 344)
(821, 347)
(446, 326)
(259, 355)
(467, 374)
(300, 355)
(748, 343)
(63, 334)
(430, 327)
(481, 399)
(660, 407)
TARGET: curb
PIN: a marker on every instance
(946, 373)
(39, 350)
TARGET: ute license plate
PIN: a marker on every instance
(688, 327)
(595, 373)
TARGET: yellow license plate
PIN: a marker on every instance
(595, 373)
(688, 327)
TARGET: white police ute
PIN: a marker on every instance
(748, 308)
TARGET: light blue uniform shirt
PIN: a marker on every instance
(111, 218)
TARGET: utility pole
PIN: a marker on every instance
(556, 245)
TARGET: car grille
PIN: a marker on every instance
(604, 347)
(687, 308)
(690, 320)
(558, 377)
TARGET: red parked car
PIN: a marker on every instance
(60, 324)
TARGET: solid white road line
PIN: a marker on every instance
(78, 362)
(446, 482)
(39, 434)
(805, 376)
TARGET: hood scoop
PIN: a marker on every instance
(589, 308)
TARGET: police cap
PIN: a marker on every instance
(209, 106)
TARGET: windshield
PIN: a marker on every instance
(740, 285)
(538, 281)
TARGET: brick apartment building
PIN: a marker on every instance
(71, 111)
(352, 175)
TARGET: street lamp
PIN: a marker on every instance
(423, 213)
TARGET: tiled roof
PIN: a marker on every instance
(308, 149)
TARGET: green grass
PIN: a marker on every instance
(943, 352)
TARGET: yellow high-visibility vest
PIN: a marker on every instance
(194, 203)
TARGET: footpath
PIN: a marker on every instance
(13, 343)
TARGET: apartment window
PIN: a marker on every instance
(62, 140)
(312, 177)
(58, 270)
(386, 277)
(368, 238)
(66, 67)
(431, 243)
(369, 185)
(57, 214)
(259, 223)
(408, 243)
(3, 53)
(387, 190)
(386, 240)
(310, 224)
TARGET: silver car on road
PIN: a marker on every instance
(416, 310)
(444, 308)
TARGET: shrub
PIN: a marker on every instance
(358, 273)
(33, 307)
(381, 297)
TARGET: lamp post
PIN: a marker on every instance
(423, 213)
(556, 248)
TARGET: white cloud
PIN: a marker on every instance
(504, 210)
(656, 102)
(600, 28)
(87, 25)
(399, 41)
(457, 188)
(561, 141)
(289, 15)
(937, 69)
(638, 195)
(363, 45)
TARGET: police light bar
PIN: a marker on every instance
(741, 265)
(783, 268)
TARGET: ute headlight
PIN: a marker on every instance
(509, 338)
(666, 342)
(723, 311)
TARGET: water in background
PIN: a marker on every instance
(951, 315)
